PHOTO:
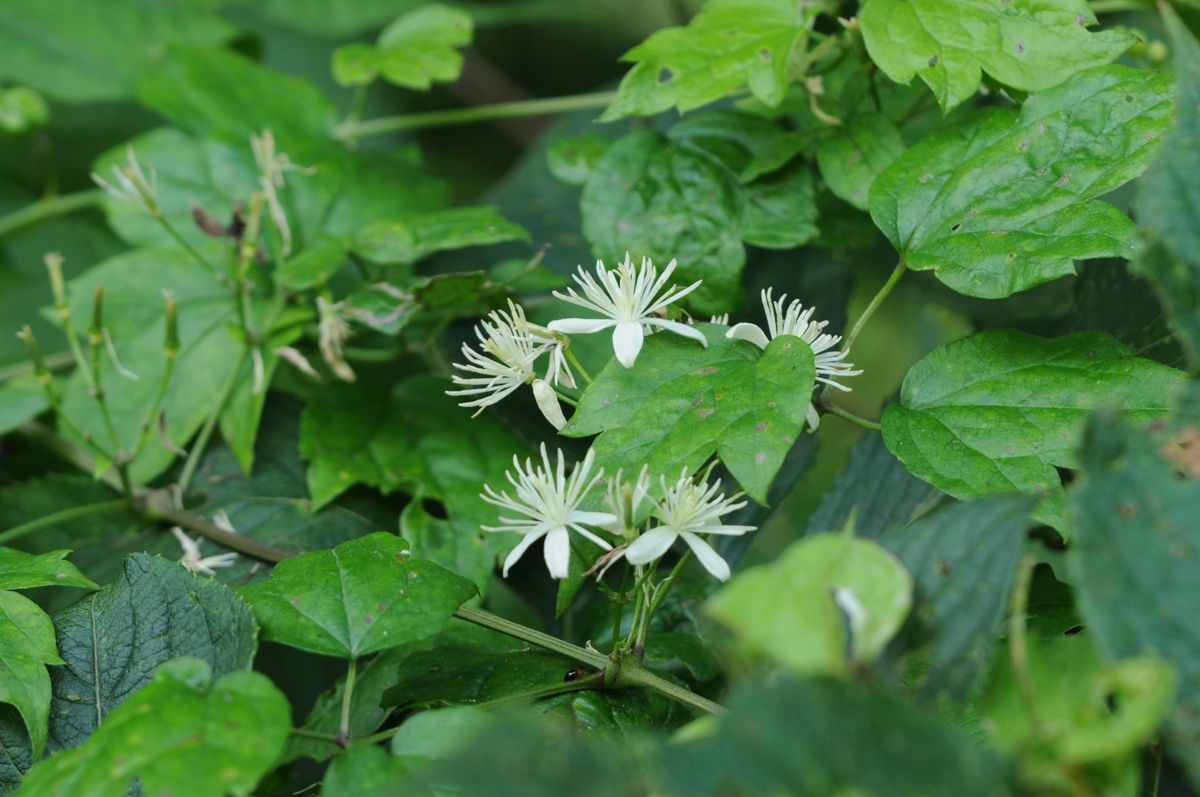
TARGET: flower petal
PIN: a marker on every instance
(711, 560)
(557, 551)
(627, 342)
(679, 329)
(547, 401)
(813, 417)
(650, 546)
(522, 546)
(751, 333)
(580, 326)
(592, 518)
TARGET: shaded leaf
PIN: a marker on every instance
(364, 771)
(727, 45)
(853, 155)
(1008, 200)
(363, 596)
(948, 43)
(461, 673)
(681, 403)
(27, 647)
(218, 738)
(19, 570)
(21, 400)
(113, 640)
(997, 412)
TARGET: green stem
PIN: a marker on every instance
(100, 508)
(526, 634)
(845, 415)
(48, 208)
(660, 592)
(1018, 649)
(563, 397)
(895, 276)
(179, 239)
(349, 131)
(54, 362)
(347, 696)
(323, 737)
(633, 673)
(578, 365)
(214, 414)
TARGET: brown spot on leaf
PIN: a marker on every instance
(1182, 450)
(933, 61)
(1126, 509)
(705, 412)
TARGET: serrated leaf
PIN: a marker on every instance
(1168, 198)
(826, 602)
(133, 314)
(877, 490)
(681, 403)
(806, 737)
(110, 44)
(182, 728)
(963, 559)
(1137, 546)
(998, 411)
(363, 596)
(727, 45)
(224, 94)
(1008, 200)
(853, 155)
(1026, 44)
(415, 51)
(19, 570)
(113, 640)
(27, 647)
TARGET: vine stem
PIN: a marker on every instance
(54, 362)
(351, 130)
(48, 208)
(1018, 649)
(189, 467)
(876, 301)
(846, 415)
(85, 510)
(347, 696)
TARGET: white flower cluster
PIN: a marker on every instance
(547, 505)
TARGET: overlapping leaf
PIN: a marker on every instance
(999, 411)
(1008, 199)
(1026, 44)
(363, 596)
(415, 51)
(26, 647)
(727, 45)
(19, 570)
(852, 155)
(681, 403)
(182, 728)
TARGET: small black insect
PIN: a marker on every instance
(573, 675)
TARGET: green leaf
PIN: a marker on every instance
(27, 647)
(998, 411)
(853, 155)
(1168, 198)
(16, 750)
(727, 45)
(876, 490)
(225, 94)
(133, 313)
(113, 640)
(964, 560)
(19, 570)
(415, 51)
(365, 771)
(429, 737)
(218, 738)
(1025, 44)
(81, 51)
(21, 400)
(1008, 200)
(453, 228)
(681, 403)
(808, 737)
(314, 265)
(781, 208)
(363, 596)
(826, 602)
(573, 158)
(1134, 559)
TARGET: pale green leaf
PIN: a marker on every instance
(826, 602)
(1026, 44)
(572, 158)
(363, 596)
(365, 771)
(26, 647)
(19, 570)
(998, 411)
(95, 50)
(853, 155)
(682, 403)
(420, 236)
(21, 400)
(415, 51)
(182, 728)
(1008, 200)
(727, 45)
(113, 640)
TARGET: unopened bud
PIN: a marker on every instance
(171, 343)
(547, 401)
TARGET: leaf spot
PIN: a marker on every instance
(1024, 145)
(760, 426)
(765, 54)
(1060, 182)
(1126, 509)
(704, 412)
(711, 369)
(998, 233)
(1020, 48)
(924, 178)
(760, 458)
(1012, 256)
(933, 61)
(665, 76)
(956, 227)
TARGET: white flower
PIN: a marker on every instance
(628, 298)
(271, 167)
(332, 333)
(192, 560)
(796, 321)
(625, 501)
(509, 346)
(689, 509)
(547, 505)
(130, 184)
